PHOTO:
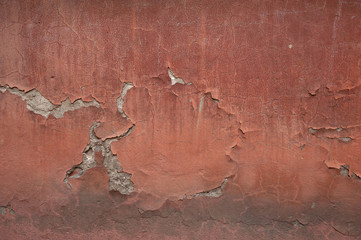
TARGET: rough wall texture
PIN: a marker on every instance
(180, 119)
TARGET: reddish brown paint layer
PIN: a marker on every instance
(271, 102)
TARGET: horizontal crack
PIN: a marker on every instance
(216, 192)
(319, 131)
(37, 103)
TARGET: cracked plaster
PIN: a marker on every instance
(283, 127)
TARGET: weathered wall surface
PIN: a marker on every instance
(180, 119)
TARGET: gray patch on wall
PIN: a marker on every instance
(5, 209)
(216, 192)
(118, 179)
(120, 100)
(37, 103)
(173, 78)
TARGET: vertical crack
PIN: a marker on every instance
(120, 100)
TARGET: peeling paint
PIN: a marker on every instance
(174, 79)
(214, 193)
(120, 101)
(345, 171)
(279, 160)
(6, 209)
(38, 104)
(2, 210)
(118, 179)
(209, 94)
(312, 130)
(345, 139)
(336, 129)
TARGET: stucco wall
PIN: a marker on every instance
(180, 119)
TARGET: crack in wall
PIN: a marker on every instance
(215, 192)
(209, 94)
(120, 100)
(118, 179)
(38, 104)
(315, 131)
(331, 133)
(345, 139)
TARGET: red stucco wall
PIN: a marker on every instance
(258, 139)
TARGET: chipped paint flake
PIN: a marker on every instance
(174, 79)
